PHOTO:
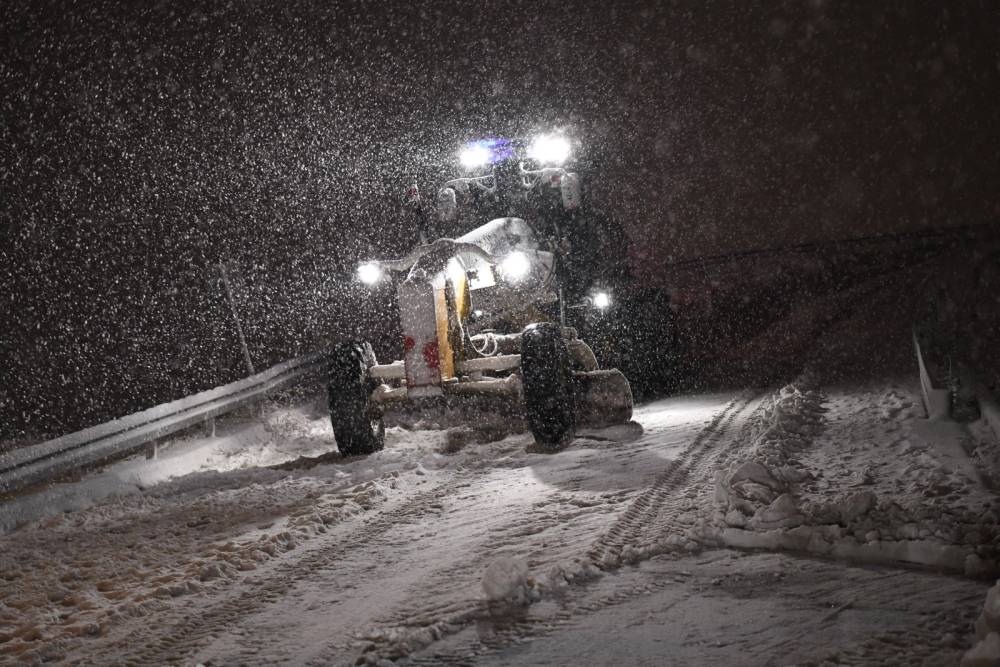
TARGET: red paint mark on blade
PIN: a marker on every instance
(431, 355)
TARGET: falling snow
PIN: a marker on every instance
(778, 200)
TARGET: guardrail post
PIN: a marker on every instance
(152, 451)
(937, 402)
(236, 319)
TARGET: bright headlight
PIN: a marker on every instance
(482, 152)
(601, 300)
(474, 155)
(369, 273)
(549, 149)
(515, 266)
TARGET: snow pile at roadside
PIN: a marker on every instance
(243, 440)
(986, 652)
(757, 491)
(857, 475)
(985, 451)
(245, 449)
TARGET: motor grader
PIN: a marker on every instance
(485, 315)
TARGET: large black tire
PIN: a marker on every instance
(547, 376)
(356, 419)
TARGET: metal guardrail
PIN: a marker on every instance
(31, 465)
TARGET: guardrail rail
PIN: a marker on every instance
(35, 464)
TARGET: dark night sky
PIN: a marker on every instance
(142, 141)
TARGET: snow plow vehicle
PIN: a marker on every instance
(484, 315)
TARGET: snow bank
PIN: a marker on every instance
(985, 444)
(245, 450)
(856, 477)
(506, 579)
(756, 490)
(986, 652)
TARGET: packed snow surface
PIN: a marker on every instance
(260, 545)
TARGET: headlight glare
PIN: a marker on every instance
(474, 155)
(549, 149)
(369, 273)
(601, 300)
(515, 266)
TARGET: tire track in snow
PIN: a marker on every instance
(927, 624)
(414, 627)
(441, 604)
(645, 516)
(125, 559)
(157, 644)
(813, 596)
(517, 627)
(430, 609)
(698, 460)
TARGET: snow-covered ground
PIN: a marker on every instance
(855, 473)
(259, 545)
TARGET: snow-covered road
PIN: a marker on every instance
(610, 552)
